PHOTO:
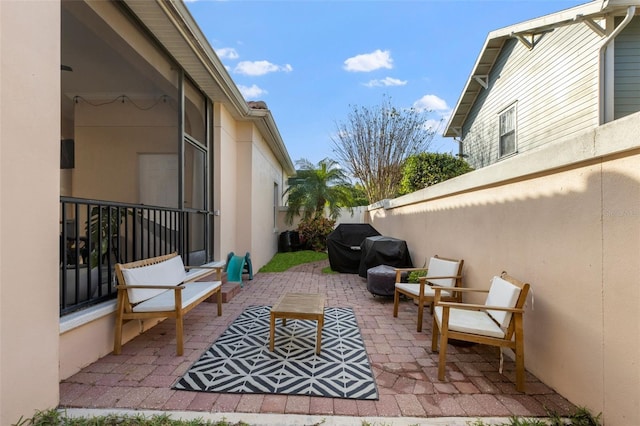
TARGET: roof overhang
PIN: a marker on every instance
(527, 32)
(171, 23)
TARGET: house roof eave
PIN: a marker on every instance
(264, 121)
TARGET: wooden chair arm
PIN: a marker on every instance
(410, 269)
(461, 289)
(476, 307)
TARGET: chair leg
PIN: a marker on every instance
(420, 314)
(396, 300)
(179, 336)
(519, 349)
(117, 339)
(219, 302)
(434, 336)
(444, 341)
(442, 363)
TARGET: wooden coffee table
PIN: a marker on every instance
(304, 306)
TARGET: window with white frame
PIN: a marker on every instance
(508, 131)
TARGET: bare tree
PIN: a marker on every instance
(373, 143)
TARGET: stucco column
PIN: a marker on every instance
(29, 194)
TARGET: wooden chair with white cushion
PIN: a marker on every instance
(441, 272)
(497, 322)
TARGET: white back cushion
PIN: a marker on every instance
(442, 268)
(170, 272)
(504, 294)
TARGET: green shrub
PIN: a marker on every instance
(414, 276)
(313, 232)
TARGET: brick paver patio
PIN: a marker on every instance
(405, 368)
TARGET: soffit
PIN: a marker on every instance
(528, 30)
(177, 32)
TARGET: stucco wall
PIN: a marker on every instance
(225, 185)
(266, 172)
(29, 219)
(566, 218)
(257, 170)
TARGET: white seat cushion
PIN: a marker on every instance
(165, 301)
(474, 322)
(415, 290)
(170, 272)
(442, 268)
(503, 294)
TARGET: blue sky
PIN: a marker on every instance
(312, 61)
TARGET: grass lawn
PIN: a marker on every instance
(283, 261)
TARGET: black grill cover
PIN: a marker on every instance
(379, 250)
(343, 246)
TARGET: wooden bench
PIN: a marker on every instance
(160, 287)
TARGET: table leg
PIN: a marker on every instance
(272, 331)
(319, 334)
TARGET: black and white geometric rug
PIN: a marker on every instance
(240, 360)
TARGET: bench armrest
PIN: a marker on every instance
(151, 287)
(216, 266)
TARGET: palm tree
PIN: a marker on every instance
(315, 188)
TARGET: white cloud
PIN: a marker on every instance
(253, 92)
(386, 82)
(369, 61)
(255, 68)
(431, 103)
(227, 53)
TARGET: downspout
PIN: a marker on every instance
(602, 80)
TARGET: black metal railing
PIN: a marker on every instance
(95, 235)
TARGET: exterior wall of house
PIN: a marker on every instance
(29, 219)
(225, 181)
(266, 174)
(554, 87)
(566, 218)
(627, 70)
(258, 170)
(245, 204)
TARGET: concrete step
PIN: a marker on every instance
(229, 290)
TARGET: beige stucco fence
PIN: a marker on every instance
(565, 218)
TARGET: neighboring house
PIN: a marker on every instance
(155, 134)
(548, 79)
